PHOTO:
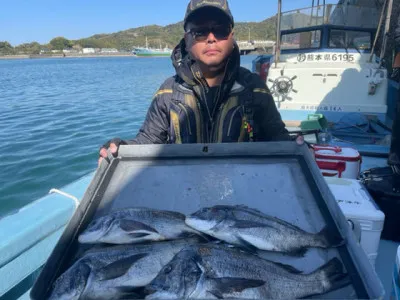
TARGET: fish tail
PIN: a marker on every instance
(332, 276)
(327, 239)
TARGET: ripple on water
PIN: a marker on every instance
(55, 113)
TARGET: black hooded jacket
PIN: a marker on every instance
(241, 108)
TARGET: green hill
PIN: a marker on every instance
(168, 35)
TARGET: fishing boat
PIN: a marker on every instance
(150, 52)
(325, 63)
(304, 81)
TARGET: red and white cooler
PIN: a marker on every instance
(338, 162)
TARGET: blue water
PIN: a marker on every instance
(56, 113)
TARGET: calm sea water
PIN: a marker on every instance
(56, 113)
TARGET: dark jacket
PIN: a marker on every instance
(244, 109)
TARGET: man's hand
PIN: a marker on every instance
(300, 140)
(113, 146)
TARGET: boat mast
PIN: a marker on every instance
(387, 29)
(378, 30)
(278, 34)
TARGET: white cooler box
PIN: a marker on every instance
(358, 206)
(338, 162)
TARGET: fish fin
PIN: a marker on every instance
(227, 285)
(249, 224)
(119, 268)
(330, 240)
(288, 268)
(246, 245)
(138, 234)
(131, 226)
(333, 273)
(216, 294)
(191, 234)
(128, 292)
(300, 252)
(271, 218)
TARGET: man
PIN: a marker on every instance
(211, 99)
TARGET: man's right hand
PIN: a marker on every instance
(113, 146)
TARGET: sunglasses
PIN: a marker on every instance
(221, 32)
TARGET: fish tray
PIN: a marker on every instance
(280, 179)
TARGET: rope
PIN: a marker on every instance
(55, 191)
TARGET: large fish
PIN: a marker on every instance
(217, 272)
(250, 228)
(117, 271)
(136, 225)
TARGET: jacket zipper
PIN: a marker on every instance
(187, 116)
(231, 121)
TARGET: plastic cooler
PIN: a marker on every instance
(281, 179)
(338, 162)
(358, 206)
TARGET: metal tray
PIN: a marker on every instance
(280, 179)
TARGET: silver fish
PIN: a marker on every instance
(136, 225)
(250, 228)
(116, 271)
(217, 272)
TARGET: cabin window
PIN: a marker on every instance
(301, 40)
(347, 39)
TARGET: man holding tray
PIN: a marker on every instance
(211, 99)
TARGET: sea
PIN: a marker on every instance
(56, 113)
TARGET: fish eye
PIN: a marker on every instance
(167, 269)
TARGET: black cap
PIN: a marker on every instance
(195, 5)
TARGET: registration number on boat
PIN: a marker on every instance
(303, 57)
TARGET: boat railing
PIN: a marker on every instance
(330, 14)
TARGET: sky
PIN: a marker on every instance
(24, 21)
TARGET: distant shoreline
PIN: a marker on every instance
(38, 56)
(92, 55)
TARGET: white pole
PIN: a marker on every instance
(278, 35)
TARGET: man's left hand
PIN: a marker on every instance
(300, 140)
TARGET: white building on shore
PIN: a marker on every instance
(88, 50)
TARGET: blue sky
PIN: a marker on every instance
(24, 21)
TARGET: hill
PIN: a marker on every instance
(169, 35)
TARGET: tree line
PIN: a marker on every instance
(136, 37)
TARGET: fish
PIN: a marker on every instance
(116, 271)
(136, 225)
(251, 229)
(219, 272)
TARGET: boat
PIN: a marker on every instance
(330, 50)
(150, 52)
(29, 235)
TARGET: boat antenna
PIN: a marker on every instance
(387, 29)
(278, 34)
(312, 12)
(378, 30)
